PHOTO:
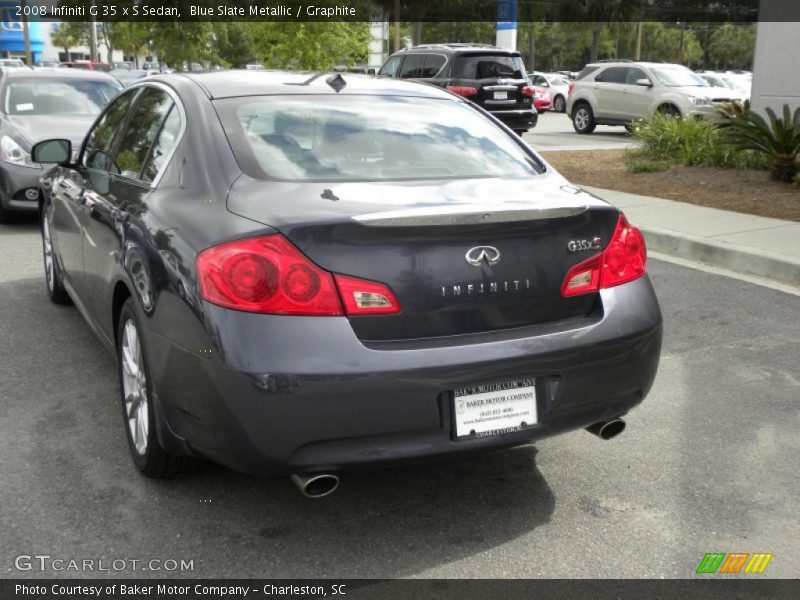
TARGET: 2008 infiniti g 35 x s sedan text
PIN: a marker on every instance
(303, 274)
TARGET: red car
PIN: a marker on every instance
(541, 99)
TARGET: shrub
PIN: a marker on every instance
(685, 141)
(779, 140)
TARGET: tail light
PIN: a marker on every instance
(269, 275)
(528, 90)
(463, 90)
(623, 260)
(571, 87)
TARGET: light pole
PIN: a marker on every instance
(26, 35)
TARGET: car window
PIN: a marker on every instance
(412, 66)
(149, 112)
(540, 80)
(433, 64)
(368, 138)
(678, 77)
(634, 75)
(612, 75)
(489, 66)
(389, 69)
(167, 138)
(38, 96)
(100, 140)
(586, 72)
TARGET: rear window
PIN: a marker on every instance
(489, 66)
(368, 138)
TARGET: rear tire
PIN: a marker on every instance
(559, 104)
(138, 410)
(52, 272)
(669, 110)
(583, 118)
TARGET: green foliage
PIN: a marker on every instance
(689, 142)
(778, 138)
(309, 45)
(732, 46)
(796, 180)
(70, 34)
(177, 42)
(647, 166)
(130, 37)
(660, 42)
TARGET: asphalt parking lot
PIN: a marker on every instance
(554, 131)
(708, 463)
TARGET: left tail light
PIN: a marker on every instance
(269, 275)
(570, 88)
(623, 260)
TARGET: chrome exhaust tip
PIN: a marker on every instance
(606, 430)
(316, 485)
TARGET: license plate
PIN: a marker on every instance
(493, 409)
(501, 95)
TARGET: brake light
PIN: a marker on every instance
(463, 90)
(528, 90)
(361, 297)
(623, 260)
(269, 275)
(571, 87)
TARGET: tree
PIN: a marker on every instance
(232, 43)
(177, 42)
(128, 36)
(662, 43)
(593, 15)
(70, 34)
(732, 46)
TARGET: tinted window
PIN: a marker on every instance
(36, 96)
(612, 75)
(161, 149)
(101, 137)
(389, 69)
(367, 138)
(149, 112)
(489, 66)
(540, 80)
(586, 72)
(634, 75)
(433, 64)
(412, 66)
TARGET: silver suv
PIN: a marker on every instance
(617, 93)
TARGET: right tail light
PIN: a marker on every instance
(623, 260)
(463, 90)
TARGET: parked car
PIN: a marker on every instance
(87, 64)
(618, 93)
(36, 105)
(716, 80)
(12, 63)
(541, 100)
(128, 76)
(124, 64)
(152, 66)
(492, 78)
(367, 273)
(49, 64)
(557, 86)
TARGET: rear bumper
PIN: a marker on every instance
(294, 394)
(523, 119)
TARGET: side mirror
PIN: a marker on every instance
(644, 82)
(52, 151)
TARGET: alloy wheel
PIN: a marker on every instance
(582, 118)
(134, 387)
(49, 269)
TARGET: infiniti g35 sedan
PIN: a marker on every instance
(303, 273)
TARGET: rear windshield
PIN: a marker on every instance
(489, 66)
(368, 138)
(71, 96)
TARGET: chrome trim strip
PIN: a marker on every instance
(464, 215)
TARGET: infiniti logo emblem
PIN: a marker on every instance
(475, 256)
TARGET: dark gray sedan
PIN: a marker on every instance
(304, 274)
(37, 105)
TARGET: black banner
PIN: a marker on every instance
(605, 11)
(405, 589)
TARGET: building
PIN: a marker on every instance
(776, 79)
(12, 40)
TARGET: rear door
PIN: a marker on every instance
(498, 77)
(610, 91)
(639, 97)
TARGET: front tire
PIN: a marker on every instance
(137, 403)
(583, 119)
(52, 272)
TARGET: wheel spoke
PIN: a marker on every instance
(134, 387)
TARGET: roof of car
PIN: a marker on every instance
(57, 74)
(630, 63)
(230, 84)
(456, 48)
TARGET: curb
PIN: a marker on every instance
(719, 254)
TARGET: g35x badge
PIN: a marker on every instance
(584, 245)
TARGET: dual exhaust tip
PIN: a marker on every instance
(319, 485)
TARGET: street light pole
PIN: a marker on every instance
(26, 35)
(396, 25)
(93, 38)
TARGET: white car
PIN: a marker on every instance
(618, 93)
(556, 85)
(718, 80)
